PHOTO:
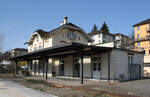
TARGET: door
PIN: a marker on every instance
(76, 67)
(96, 68)
(61, 68)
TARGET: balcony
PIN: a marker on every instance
(143, 38)
(148, 30)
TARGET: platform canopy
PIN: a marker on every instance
(74, 49)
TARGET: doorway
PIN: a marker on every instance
(76, 67)
(96, 68)
(61, 67)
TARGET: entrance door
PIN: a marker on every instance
(96, 68)
(76, 67)
(61, 68)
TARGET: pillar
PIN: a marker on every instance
(43, 67)
(82, 69)
(108, 66)
(46, 63)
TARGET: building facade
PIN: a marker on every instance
(18, 52)
(142, 40)
(98, 38)
(121, 40)
(70, 53)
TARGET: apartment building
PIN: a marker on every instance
(142, 41)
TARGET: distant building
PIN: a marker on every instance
(100, 37)
(121, 40)
(117, 40)
(18, 51)
(142, 40)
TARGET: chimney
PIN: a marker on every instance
(65, 20)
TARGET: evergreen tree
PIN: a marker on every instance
(94, 29)
(104, 28)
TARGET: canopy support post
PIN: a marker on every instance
(82, 70)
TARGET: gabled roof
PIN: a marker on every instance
(143, 22)
(20, 49)
(120, 34)
(42, 33)
(68, 24)
(98, 32)
(45, 34)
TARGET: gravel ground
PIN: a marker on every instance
(59, 90)
(137, 87)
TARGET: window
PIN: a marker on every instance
(78, 38)
(99, 35)
(147, 65)
(34, 48)
(138, 43)
(104, 35)
(37, 38)
(138, 27)
(104, 41)
(39, 47)
(94, 66)
(138, 36)
(99, 41)
(97, 59)
(63, 36)
(144, 51)
(99, 66)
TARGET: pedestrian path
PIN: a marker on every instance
(12, 89)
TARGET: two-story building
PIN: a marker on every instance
(18, 52)
(67, 51)
(142, 41)
(121, 40)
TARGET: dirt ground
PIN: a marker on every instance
(64, 87)
(59, 90)
(136, 87)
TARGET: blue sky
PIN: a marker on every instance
(19, 18)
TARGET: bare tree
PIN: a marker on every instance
(1, 46)
(1, 42)
(131, 40)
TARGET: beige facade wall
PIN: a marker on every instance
(143, 32)
(119, 63)
(68, 66)
(62, 36)
(37, 43)
(87, 70)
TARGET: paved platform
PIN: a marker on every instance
(12, 89)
